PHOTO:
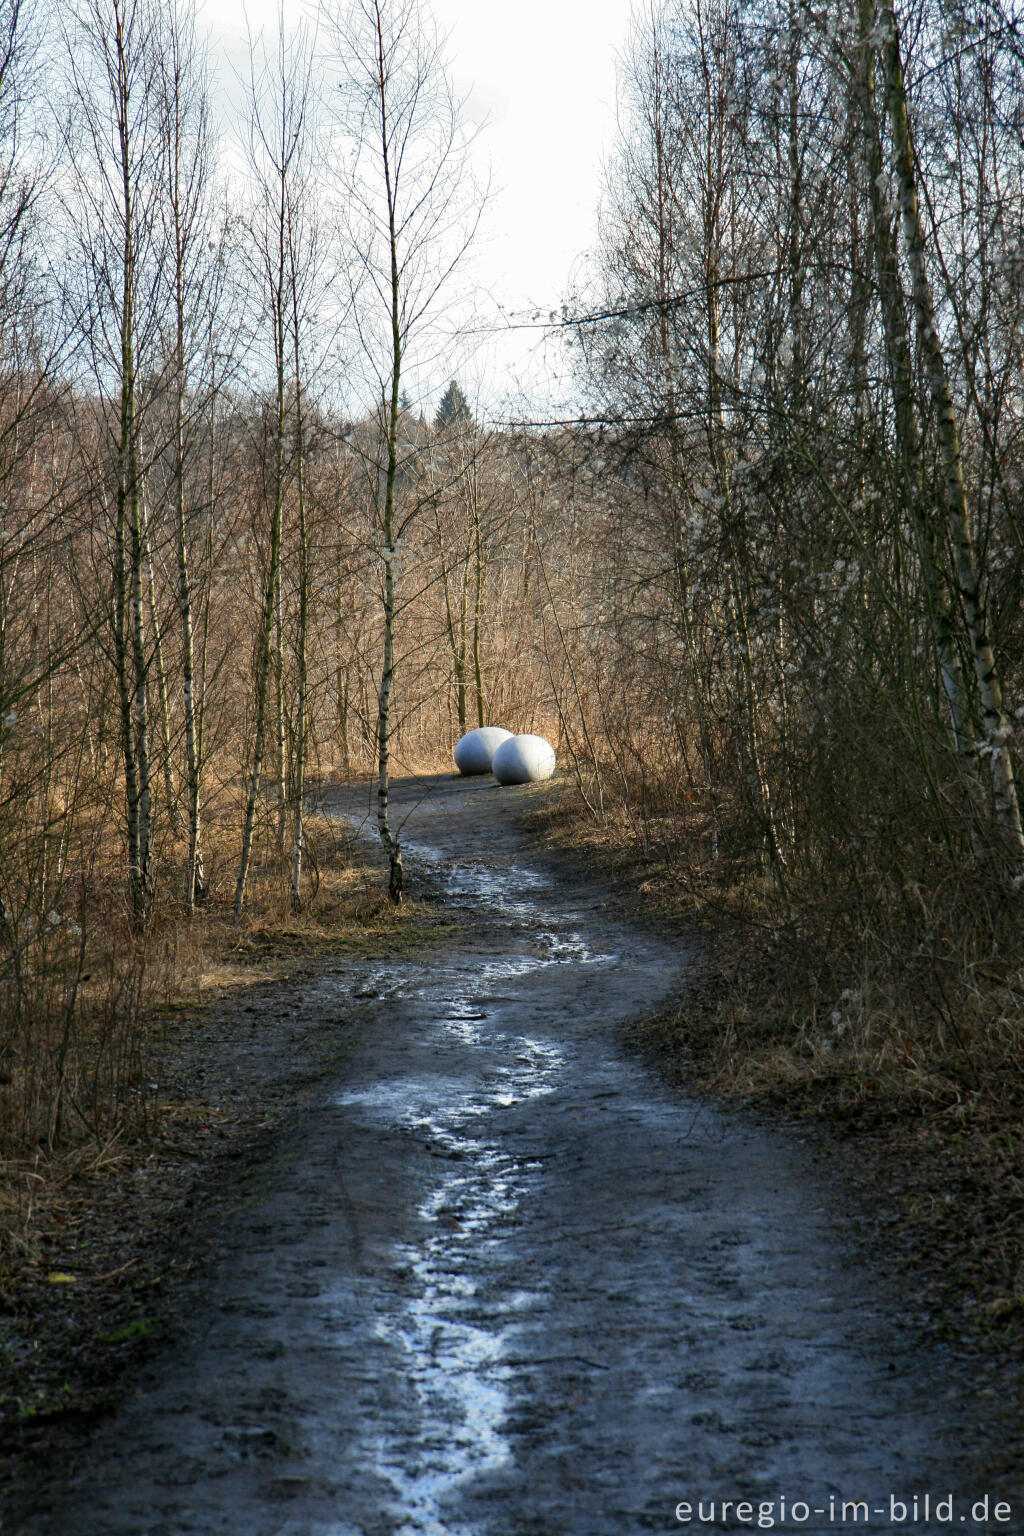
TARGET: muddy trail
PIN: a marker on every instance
(501, 1281)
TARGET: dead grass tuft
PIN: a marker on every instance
(86, 1000)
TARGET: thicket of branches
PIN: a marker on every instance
(804, 649)
(769, 596)
(233, 557)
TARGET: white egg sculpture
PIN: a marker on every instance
(523, 760)
(474, 752)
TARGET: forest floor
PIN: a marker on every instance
(421, 1246)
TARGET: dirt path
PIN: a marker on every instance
(501, 1282)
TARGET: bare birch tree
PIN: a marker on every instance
(280, 106)
(997, 728)
(196, 283)
(116, 144)
(412, 211)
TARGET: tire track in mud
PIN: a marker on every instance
(502, 1282)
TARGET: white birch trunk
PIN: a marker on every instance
(298, 787)
(997, 728)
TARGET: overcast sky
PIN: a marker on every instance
(542, 75)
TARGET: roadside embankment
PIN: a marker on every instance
(921, 1107)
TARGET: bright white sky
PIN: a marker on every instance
(542, 73)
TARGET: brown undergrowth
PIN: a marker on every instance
(79, 985)
(91, 1199)
(902, 1040)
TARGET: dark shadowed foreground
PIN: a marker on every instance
(501, 1282)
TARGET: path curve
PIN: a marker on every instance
(503, 1282)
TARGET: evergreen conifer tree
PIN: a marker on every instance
(454, 409)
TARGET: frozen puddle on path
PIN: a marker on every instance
(450, 1344)
(505, 892)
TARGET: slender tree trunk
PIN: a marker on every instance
(298, 785)
(342, 681)
(393, 848)
(186, 169)
(463, 648)
(143, 894)
(197, 691)
(280, 738)
(659, 104)
(141, 698)
(456, 636)
(734, 536)
(170, 789)
(122, 664)
(195, 882)
(264, 669)
(265, 650)
(387, 837)
(997, 728)
(396, 880)
(478, 600)
(895, 333)
(130, 640)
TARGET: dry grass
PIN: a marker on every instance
(91, 1000)
(897, 1027)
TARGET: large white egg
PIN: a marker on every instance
(523, 760)
(474, 752)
